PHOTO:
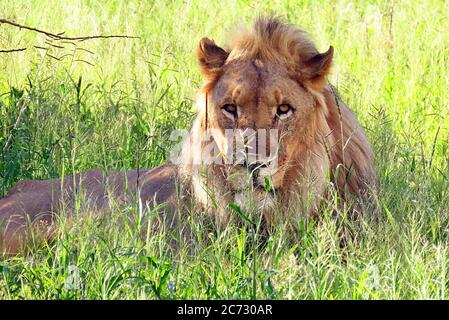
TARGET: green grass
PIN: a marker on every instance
(391, 67)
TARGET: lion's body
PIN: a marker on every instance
(34, 206)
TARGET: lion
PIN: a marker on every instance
(269, 81)
(272, 78)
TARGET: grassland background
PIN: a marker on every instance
(60, 117)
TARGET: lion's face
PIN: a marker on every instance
(261, 104)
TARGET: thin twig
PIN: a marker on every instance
(13, 50)
(54, 45)
(59, 36)
(82, 49)
(81, 60)
(51, 56)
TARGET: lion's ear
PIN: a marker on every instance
(315, 69)
(210, 57)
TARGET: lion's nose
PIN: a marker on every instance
(254, 166)
(253, 169)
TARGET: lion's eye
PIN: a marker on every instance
(283, 111)
(230, 110)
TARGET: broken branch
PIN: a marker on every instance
(59, 36)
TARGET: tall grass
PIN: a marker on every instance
(59, 117)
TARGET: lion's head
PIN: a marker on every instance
(271, 126)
